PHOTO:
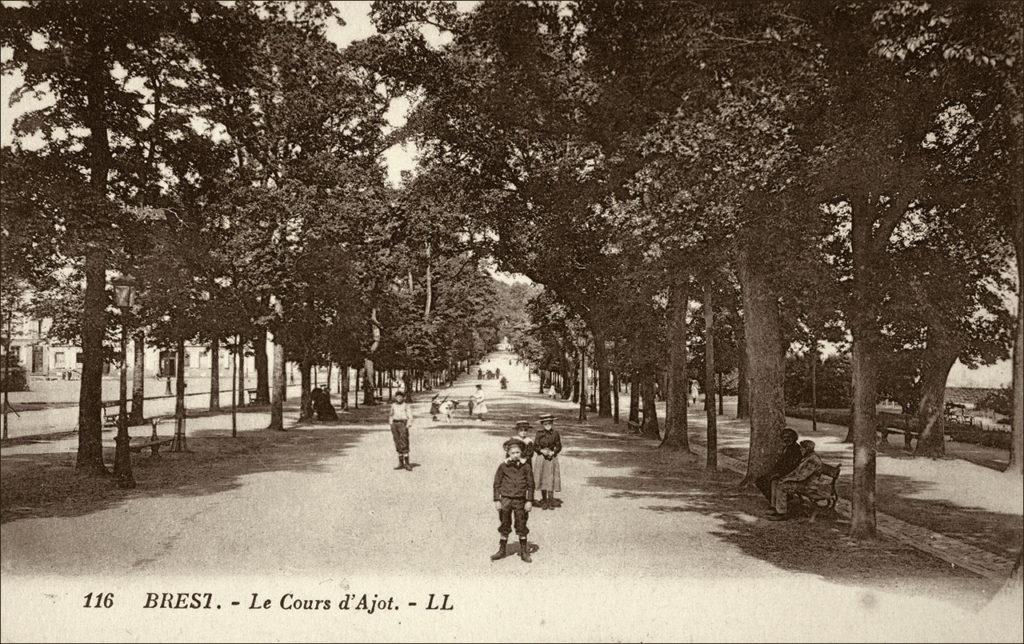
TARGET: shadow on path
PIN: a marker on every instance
(675, 484)
(48, 485)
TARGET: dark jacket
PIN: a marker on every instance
(788, 460)
(514, 479)
(550, 440)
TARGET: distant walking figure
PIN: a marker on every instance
(400, 418)
(477, 404)
(435, 408)
(547, 474)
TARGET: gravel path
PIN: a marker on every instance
(645, 546)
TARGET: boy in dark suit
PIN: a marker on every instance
(513, 498)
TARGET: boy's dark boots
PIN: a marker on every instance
(524, 551)
(407, 464)
(502, 551)
(401, 462)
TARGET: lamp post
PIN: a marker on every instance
(124, 298)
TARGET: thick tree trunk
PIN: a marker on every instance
(938, 360)
(215, 375)
(650, 427)
(355, 384)
(240, 376)
(634, 396)
(566, 381)
(615, 396)
(742, 384)
(604, 386)
(138, 415)
(676, 427)
(407, 384)
(864, 423)
(278, 389)
(864, 367)
(305, 401)
(721, 395)
(346, 383)
(814, 385)
(1016, 465)
(709, 379)
(179, 444)
(368, 388)
(583, 385)
(762, 326)
(260, 362)
(90, 395)
(94, 309)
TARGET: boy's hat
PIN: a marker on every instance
(514, 442)
(522, 423)
(547, 418)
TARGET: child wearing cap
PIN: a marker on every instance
(522, 427)
(513, 498)
(400, 418)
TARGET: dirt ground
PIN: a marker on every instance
(640, 539)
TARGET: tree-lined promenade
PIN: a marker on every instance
(698, 188)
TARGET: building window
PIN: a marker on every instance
(58, 360)
(78, 358)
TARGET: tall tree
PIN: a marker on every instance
(85, 50)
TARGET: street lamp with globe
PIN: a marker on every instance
(124, 298)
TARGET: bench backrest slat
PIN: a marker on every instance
(831, 471)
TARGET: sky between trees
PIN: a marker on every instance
(402, 158)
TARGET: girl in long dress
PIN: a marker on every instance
(479, 405)
(546, 446)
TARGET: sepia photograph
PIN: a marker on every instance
(511, 320)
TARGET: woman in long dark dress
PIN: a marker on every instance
(547, 474)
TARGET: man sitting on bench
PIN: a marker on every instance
(800, 479)
(786, 463)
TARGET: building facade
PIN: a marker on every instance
(42, 357)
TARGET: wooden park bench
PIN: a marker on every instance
(154, 442)
(816, 498)
(110, 417)
(909, 434)
(634, 427)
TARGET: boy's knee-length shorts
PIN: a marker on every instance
(400, 432)
(513, 509)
